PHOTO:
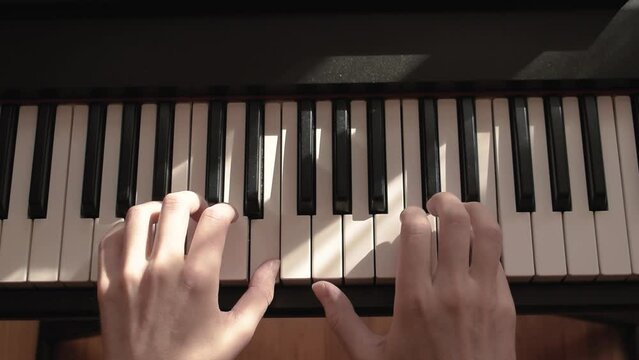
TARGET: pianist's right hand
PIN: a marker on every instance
(459, 311)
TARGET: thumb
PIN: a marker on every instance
(250, 308)
(354, 335)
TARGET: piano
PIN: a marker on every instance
(320, 126)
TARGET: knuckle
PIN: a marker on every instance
(135, 212)
(490, 232)
(173, 200)
(415, 224)
(197, 278)
(217, 214)
(454, 298)
(415, 305)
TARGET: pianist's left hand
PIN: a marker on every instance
(164, 306)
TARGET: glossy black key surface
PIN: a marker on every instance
(557, 154)
(128, 168)
(8, 133)
(41, 166)
(635, 121)
(342, 177)
(306, 157)
(376, 136)
(429, 148)
(468, 163)
(593, 155)
(254, 161)
(522, 155)
(163, 160)
(93, 157)
(215, 141)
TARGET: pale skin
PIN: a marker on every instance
(157, 303)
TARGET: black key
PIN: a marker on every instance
(429, 148)
(216, 139)
(557, 154)
(522, 155)
(254, 161)
(306, 157)
(593, 155)
(377, 197)
(163, 161)
(93, 157)
(128, 169)
(8, 133)
(41, 166)
(342, 193)
(635, 120)
(469, 165)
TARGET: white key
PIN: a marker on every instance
(16, 229)
(358, 226)
(146, 153)
(295, 243)
(77, 236)
(610, 226)
(181, 133)
(517, 253)
(486, 155)
(387, 226)
(46, 241)
(327, 228)
(197, 159)
(629, 175)
(547, 226)
(265, 233)
(235, 257)
(449, 171)
(579, 225)
(109, 187)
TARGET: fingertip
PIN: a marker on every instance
(411, 212)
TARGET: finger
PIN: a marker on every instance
(486, 242)
(138, 231)
(248, 311)
(454, 233)
(414, 258)
(110, 259)
(173, 223)
(354, 335)
(202, 267)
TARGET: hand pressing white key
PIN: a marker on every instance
(164, 305)
(463, 310)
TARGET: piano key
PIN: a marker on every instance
(377, 196)
(610, 225)
(197, 158)
(341, 150)
(468, 149)
(629, 175)
(254, 162)
(547, 226)
(635, 120)
(449, 170)
(522, 161)
(8, 132)
(387, 226)
(429, 145)
(16, 229)
(93, 161)
(295, 243)
(557, 154)
(41, 165)
(77, 237)
(358, 226)
(326, 263)
(590, 132)
(235, 265)
(215, 150)
(180, 157)
(306, 158)
(486, 155)
(265, 232)
(107, 217)
(129, 147)
(162, 164)
(46, 240)
(579, 225)
(146, 152)
(517, 257)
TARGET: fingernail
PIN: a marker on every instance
(319, 289)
